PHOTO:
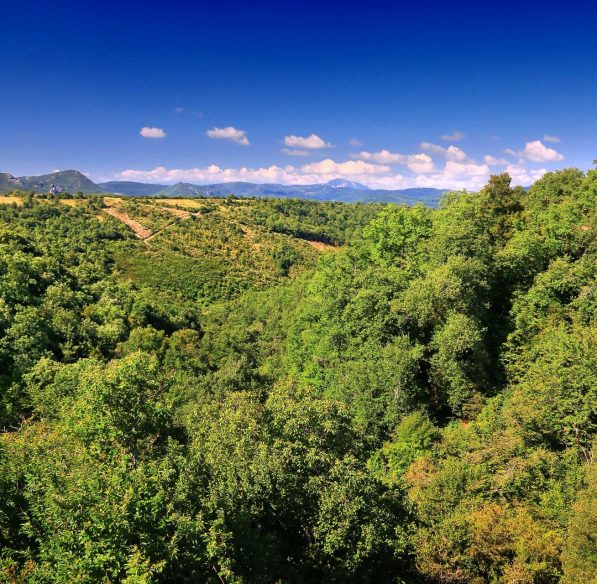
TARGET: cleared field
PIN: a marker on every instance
(139, 230)
(111, 201)
(190, 204)
(72, 202)
(320, 246)
(201, 203)
(179, 202)
(8, 200)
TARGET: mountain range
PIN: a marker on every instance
(335, 190)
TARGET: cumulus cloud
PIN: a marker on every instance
(548, 138)
(229, 133)
(464, 169)
(493, 161)
(374, 169)
(454, 175)
(348, 168)
(208, 174)
(522, 176)
(419, 163)
(149, 132)
(536, 151)
(312, 142)
(383, 156)
(355, 142)
(454, 137)
(311, 173)
(447, 167)
(449, 153)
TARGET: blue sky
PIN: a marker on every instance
(392, 94)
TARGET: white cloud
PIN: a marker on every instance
(419, 163)
(454, 175)
(548, 138)
(522, 176)
(375, 169)
(229, 133)
(348, 168)
(383, 157)
(449, 153)
(179, 110)
(148, 132)
(536, 151)
(459, 169)
(311, 173)
(312, 142)
(208, 174)
(493, 161)
(355, 142)
(454, 137)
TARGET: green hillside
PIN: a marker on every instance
(284, 391)
(214, 249)
(65, 180)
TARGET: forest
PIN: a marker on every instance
(284, 391)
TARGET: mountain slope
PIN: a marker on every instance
(131, 188)
(181, 189)
(56, 182)
(338, 183)
(9, 183)
(338, 190)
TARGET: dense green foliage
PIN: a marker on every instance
(417, 407)
(333, 223)
(223, 247)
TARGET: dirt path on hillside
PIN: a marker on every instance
(146, 235)
(140, 231)
(320, 246)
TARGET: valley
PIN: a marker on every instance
(340, 392)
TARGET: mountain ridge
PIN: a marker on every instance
(340, 190)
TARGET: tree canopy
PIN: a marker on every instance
(227, 403)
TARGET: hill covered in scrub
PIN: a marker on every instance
(274, 390)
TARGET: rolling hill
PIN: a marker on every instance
(337, 190)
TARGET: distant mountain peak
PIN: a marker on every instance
(342, 183)
(9, 183)
(62, 180)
